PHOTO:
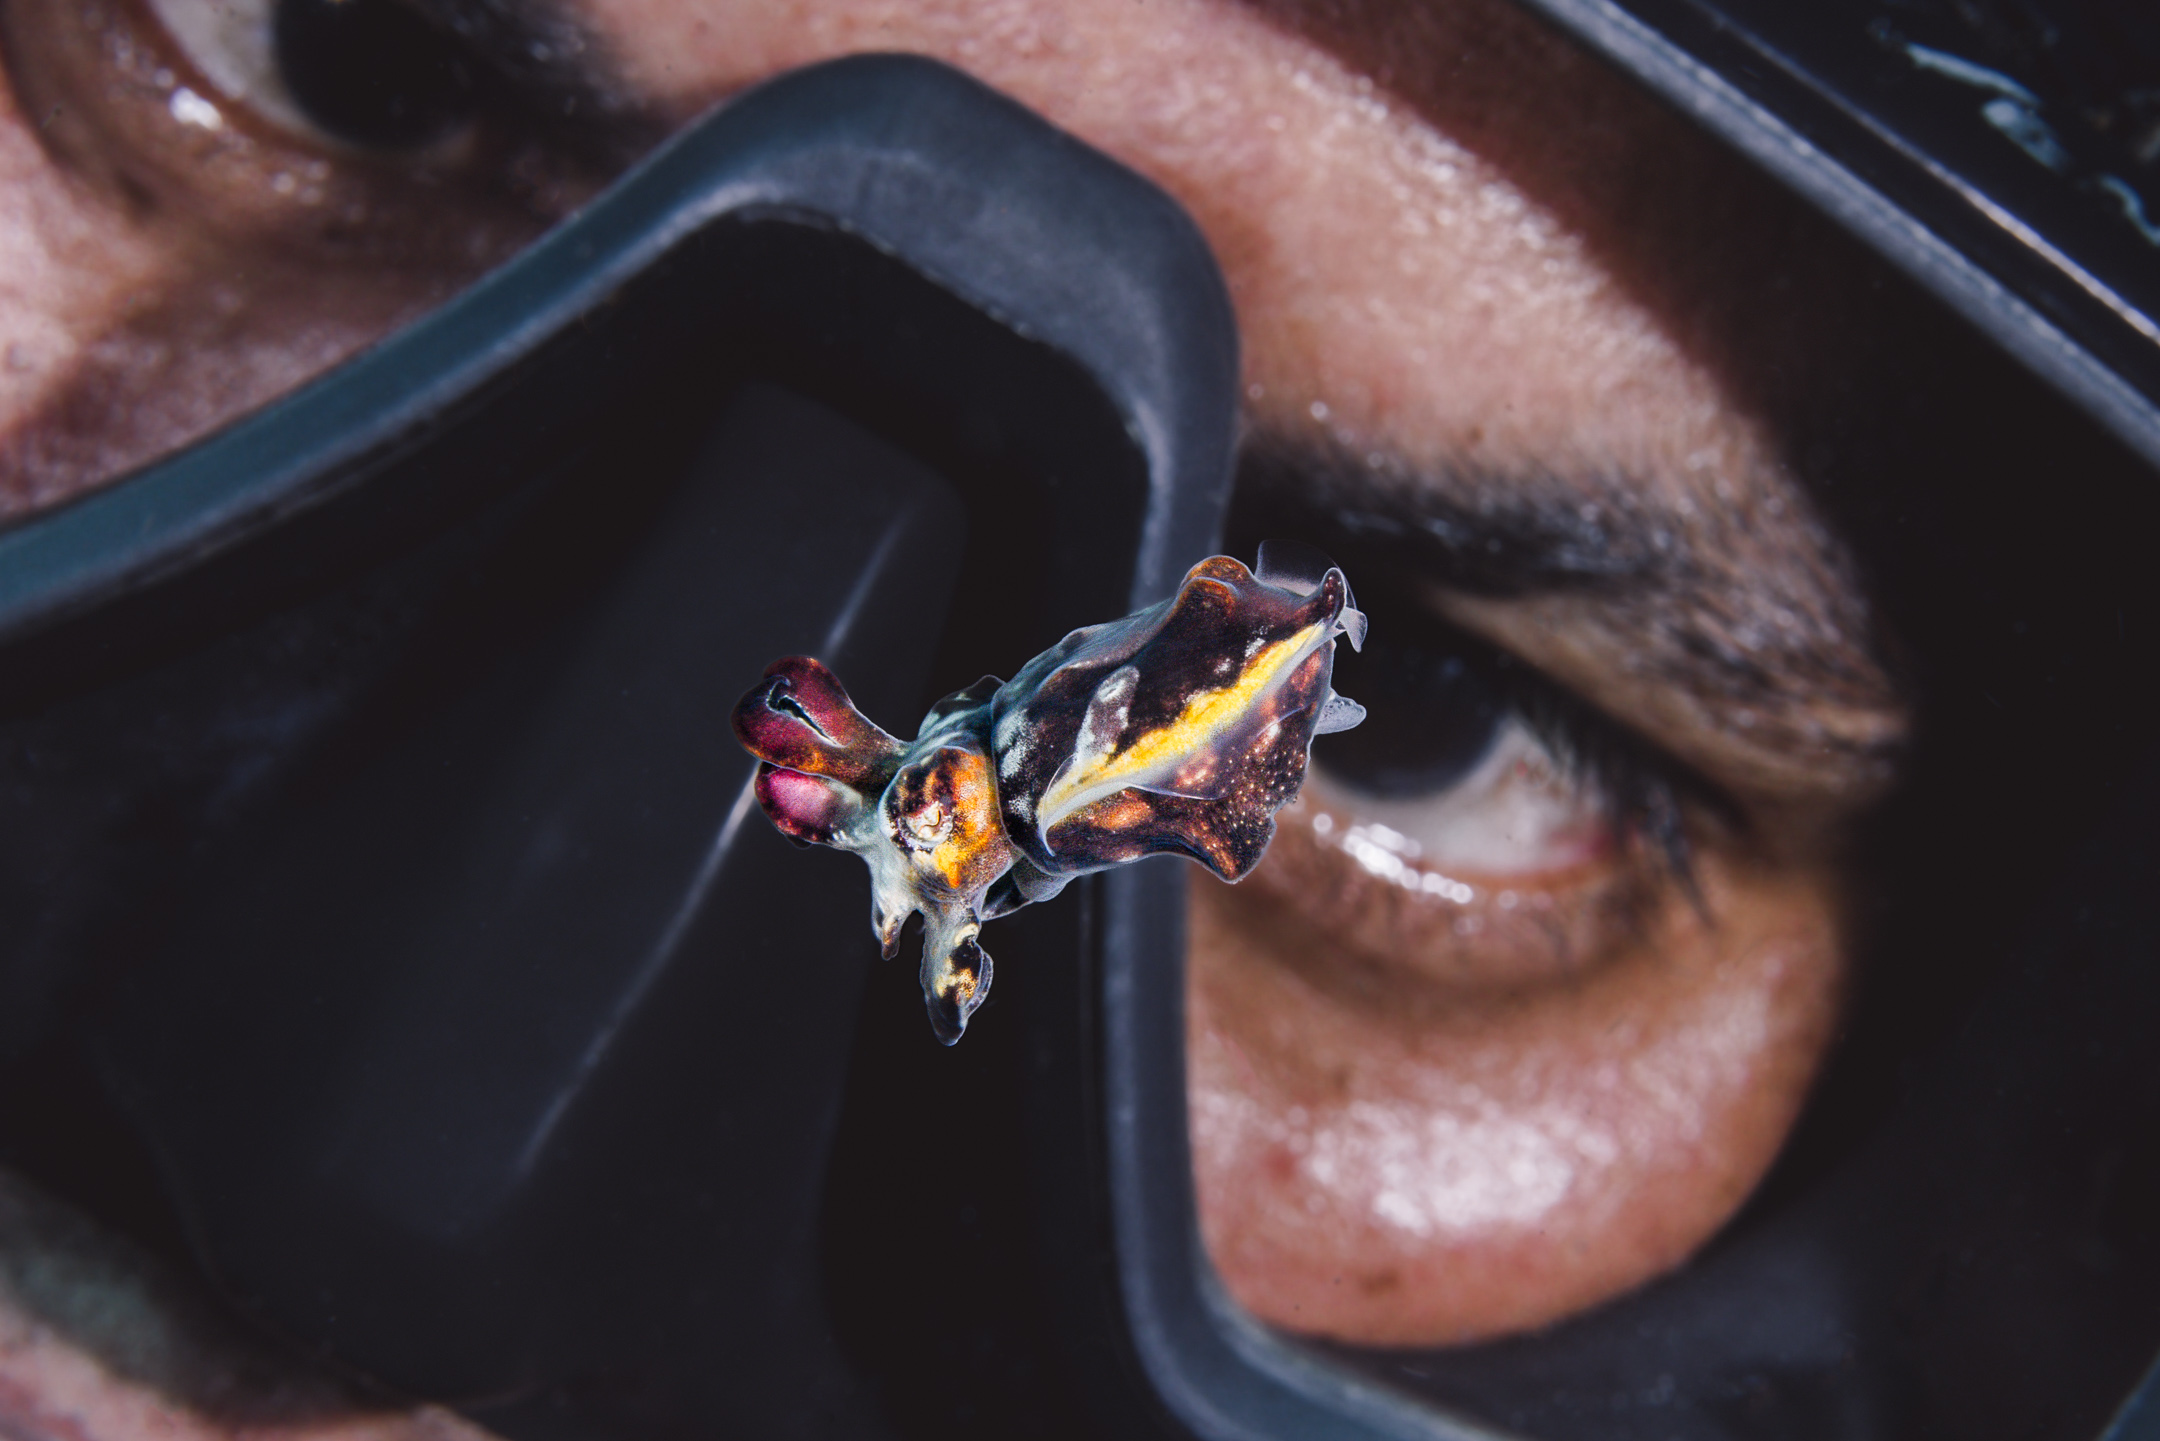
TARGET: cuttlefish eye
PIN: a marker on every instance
(1181, 728)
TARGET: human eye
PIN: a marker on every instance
(314, 117)
(212, 200)
(1521, 1003)
(367, 76)
(1482, 811)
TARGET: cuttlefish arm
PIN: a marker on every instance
(923, 816)
(1182, 728)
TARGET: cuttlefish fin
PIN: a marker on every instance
(1292, 565)
(1339, 714)
(1352, 621)
(1295, 566)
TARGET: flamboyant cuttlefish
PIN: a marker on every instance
(1184, 727)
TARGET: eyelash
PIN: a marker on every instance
(1641, 790)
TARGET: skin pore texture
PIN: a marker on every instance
(1489, 294)
(1399, 1151)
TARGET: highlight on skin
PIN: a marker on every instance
(1481, 1044)
(1436, 1114)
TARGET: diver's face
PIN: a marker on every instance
(1544, 963)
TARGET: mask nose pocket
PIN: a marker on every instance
(493, 1043)
(476, 943)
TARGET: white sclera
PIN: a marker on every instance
(1519, 813)
(234, 45)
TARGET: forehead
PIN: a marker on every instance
(1449, 232)
(1472, 268)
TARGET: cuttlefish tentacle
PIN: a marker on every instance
(1182, 728)
(941, 815)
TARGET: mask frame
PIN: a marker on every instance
(894, 155)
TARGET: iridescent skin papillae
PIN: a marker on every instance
(1182, 728)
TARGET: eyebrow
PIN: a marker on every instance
(1483, 533)
(1746, 605)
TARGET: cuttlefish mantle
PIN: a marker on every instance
(1181, 728)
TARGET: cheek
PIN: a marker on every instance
(52, 305)
(137, 372)
(1500, 1161)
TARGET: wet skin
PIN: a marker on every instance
(1470, 1051)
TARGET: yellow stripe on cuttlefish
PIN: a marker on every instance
(1203, 718)
(954, 825)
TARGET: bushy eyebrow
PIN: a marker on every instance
(1737, 604)
(1479, 532)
